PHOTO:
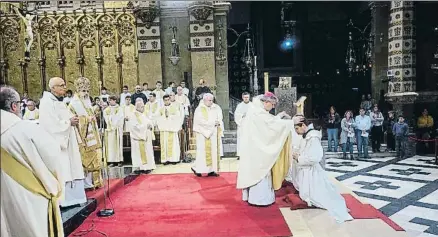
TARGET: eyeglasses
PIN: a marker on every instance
(62, 85)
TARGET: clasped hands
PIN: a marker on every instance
(74, 120)
(295, 155)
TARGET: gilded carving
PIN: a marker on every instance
(106, 31)
(87, 30)
(10, 30)
(98, 45)
(67, 32)
(201, 11)
(48, 32)
(147, 15)
(126, 29)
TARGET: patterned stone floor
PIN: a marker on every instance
(405, 190)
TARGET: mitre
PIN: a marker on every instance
(82, 84)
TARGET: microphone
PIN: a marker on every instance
(105, 212)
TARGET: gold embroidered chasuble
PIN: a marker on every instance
(88, 138)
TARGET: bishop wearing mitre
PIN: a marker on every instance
(240, 114)
(31, 113)
(142, 153)
(89, 140)
(30, 174)
(169, 124)
(113, 140)
(208, 129)
(265, 151)
(61, 123)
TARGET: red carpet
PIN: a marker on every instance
(185, 205)
(114, 185)
(288, 197)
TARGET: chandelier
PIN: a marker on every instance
(248, 57)
(359, 53)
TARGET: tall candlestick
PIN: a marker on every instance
(266, 78)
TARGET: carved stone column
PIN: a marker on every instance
(402, 57)
(221, 58)
(148, 43)
(379, 28)
(202, 43)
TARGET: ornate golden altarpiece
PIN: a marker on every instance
(98, 44)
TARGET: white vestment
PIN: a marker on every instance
(122, 98)
(128, 110)
(239, 114)
(263, 137)
(142, 152)
(24, 213)
(184, 100)
(114, 133)
(208, 138)
(186, 91)
(31, 115)
(169, 124)
(152, 111)
(55, 119)
(312, 181)
(159, 93)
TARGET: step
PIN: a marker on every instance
(329, 155)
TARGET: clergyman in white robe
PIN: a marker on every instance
(312, 181)
(128, 109)
(30, 179)
(239, 114)
(55, 119)
(114, 120)
(31, 114)
(142, 152)
(265, 152)
(169, 124)
(208, 129)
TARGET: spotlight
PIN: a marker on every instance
(288, 43)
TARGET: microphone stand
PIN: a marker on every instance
(105, 212)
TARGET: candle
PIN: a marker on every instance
(266, 81)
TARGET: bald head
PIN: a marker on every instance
(10, 100)
(57, 86)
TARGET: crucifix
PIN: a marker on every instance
(27, 19)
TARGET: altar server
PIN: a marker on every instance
(32, 113)
(114, 120)
(169, 124)
(240, 114)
